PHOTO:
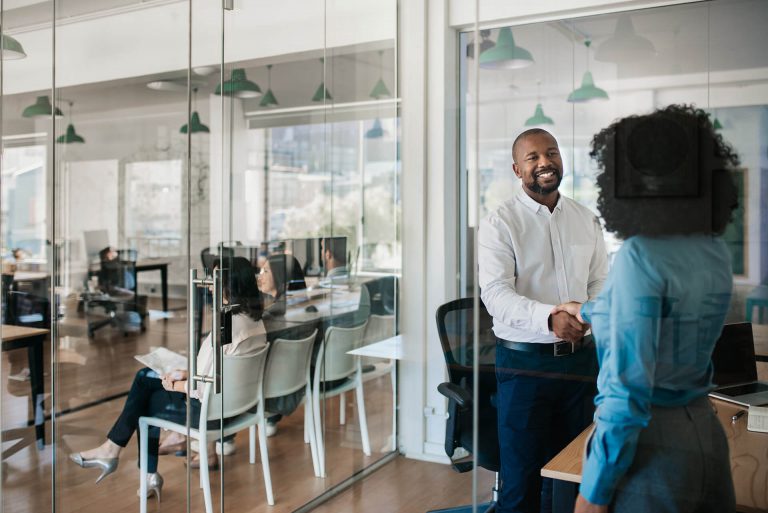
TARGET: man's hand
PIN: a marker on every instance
(584, 506)
(567, 327)
(572, 308)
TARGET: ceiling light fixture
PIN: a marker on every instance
(322, 93)
(268, 100)
(625, 45)
(42, 107)
(195, 126)
(505, 54)
(588, 91)
(70, 136)
(380, 90)
(538, 117)
(12, 49)
(238, 86)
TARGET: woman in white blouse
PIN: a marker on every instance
(165, 396)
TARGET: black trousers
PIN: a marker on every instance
(148, 398)
(543, 403)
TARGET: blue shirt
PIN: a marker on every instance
(655, 325)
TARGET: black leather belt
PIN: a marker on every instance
(560, 348)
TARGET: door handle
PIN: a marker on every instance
(196, 283)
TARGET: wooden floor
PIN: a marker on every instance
(89, 371)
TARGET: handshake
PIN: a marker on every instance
(566, 321)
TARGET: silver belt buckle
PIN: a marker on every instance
(564, 348)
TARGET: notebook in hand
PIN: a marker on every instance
(162, 360)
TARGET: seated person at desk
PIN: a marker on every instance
(273, 282)
(165, 396)
(333, 252)
(114, 279)
(657, 444)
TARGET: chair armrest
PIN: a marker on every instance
(460, 396)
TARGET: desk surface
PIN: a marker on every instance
(390, 348)
(10, 332)
(749, 459)
(566, 466)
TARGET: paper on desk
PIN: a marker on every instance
(757, 419)
(162, 360)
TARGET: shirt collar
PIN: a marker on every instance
(529, 202)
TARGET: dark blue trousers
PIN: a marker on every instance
(543, 403)
(148, 398)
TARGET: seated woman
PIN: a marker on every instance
(657, 444)
(273, 283)
(165, 396)
(279, 274)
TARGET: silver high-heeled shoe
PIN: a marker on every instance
(154, 486)
(107, 465)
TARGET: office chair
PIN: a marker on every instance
(455, 327)
(118, 296)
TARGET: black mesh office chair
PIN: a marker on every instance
(456, 328)
(117, 296)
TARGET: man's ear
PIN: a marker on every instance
(516, 169)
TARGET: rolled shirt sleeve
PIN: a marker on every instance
(630, 308)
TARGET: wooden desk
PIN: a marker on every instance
(18, 337)
(749, 464)
(147, 265)
(153, 264)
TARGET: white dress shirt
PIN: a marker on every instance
(531, 260)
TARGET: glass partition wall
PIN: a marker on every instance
(184, 177)
(574, 77)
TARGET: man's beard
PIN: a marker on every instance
(534, 186)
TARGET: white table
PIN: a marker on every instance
(388, 349)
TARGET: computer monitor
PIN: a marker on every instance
(734, 355)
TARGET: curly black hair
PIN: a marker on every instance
(238, 278)
(676, 139)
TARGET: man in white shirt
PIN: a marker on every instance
(537, 250)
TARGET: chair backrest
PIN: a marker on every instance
(383, 295)
(379, 327)
(242, 375)
(456, 329)
(337, 364)
(287, 366)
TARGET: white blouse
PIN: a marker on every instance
(248, 336)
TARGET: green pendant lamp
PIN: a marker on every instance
(376, 131)
(506, 54)
(42, 107)
(195, 126)
(238, 86)
(12, 49)
(70, 136)
(322, 92)
(588, 90)
(539, 118)
(717, 125)
(380, 90)
(268, 100)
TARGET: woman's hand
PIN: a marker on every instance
(584, 506)
(171, 379)
(573, 308)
